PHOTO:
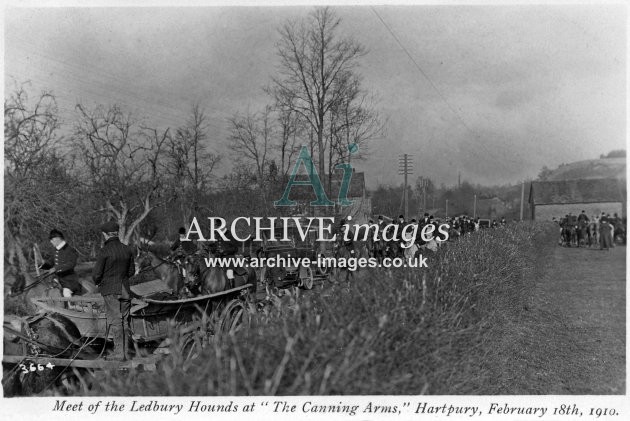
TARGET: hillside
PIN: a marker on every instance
(589, 169)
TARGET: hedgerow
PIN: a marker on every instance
(402, 331)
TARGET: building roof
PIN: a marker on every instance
(306, 193)
(577, 191)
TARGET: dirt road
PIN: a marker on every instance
(571, 339)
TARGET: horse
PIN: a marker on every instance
(582, 233)
(412, 250)
(619, 231)
(213, 279)
(376, 249)
(393, 249)
(40, 334)
(44, 285)
(166, 270)
(593, 234)
(569, 235)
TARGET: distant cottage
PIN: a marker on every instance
(548, 199)
(361, 208)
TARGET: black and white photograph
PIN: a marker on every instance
(365, 210)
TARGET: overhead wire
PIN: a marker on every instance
(440, 94)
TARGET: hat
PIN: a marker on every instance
(426, 214)
(109, 226)
(182, 230)
(380, 217)
(55, 233)
(401, 217)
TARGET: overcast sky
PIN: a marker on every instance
(500, 90)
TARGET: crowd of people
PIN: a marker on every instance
(597, 231)
(115, 262)
(457, 226)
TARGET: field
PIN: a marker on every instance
(571, 338)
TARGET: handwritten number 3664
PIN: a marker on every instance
(33, 367)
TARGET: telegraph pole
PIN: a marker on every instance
(424, 182)
(522, 198)
(446, 211)
(475, 208)
(405, 167)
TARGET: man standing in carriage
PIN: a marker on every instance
(62, 265)
(112, 270)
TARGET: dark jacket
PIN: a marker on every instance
(114, 266)
(184, 247)
(226, 248)
(64, 262)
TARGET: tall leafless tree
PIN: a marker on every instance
(250, 140)
(123, 162)
(316, 64)
(190, 162)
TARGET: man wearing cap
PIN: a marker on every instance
(114, 266)
(63, 263)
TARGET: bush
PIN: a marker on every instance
(406, 331)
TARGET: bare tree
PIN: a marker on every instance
(39, 192)
(29, 131)
(314, 71)
(251, 139)
(290, 128)
(123, 162)
(190, 163)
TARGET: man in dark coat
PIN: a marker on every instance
(182, 247)
(114, 266)
(425, 220)
(583, 217)
(63, 263)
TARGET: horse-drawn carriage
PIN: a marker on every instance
(289, 250)
(72, 332)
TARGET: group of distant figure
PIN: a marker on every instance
(598, 231)
(457, 226)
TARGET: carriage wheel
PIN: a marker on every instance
(323, 269)
(232, 317)
(307, 281)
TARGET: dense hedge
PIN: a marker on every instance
(399, 332)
